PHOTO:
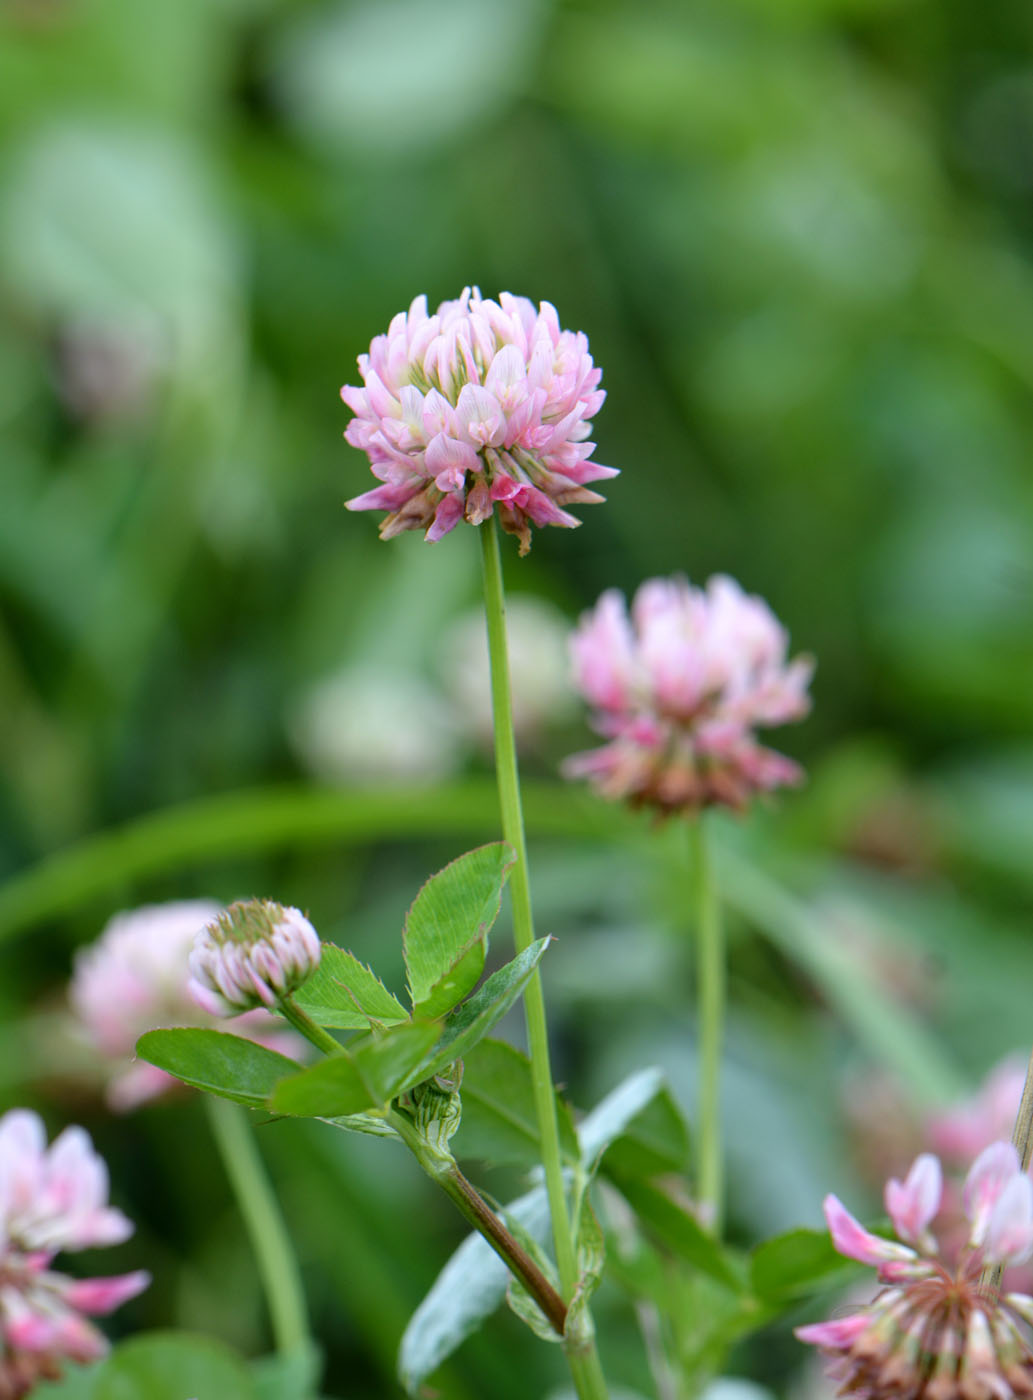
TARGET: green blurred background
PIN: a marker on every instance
(797, 233)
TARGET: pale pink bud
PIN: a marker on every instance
(256, 952)
(1009, 1230)
(992, 1170)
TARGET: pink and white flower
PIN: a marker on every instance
(937, 1330)
(679, 687)
(134, 978)
(51, 1199)
(481, 406)
(255, 953)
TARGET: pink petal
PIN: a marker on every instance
(839, 1333)
(913, 1203)
(991, 1171)
(1009, 1231)
(104, 1295)
(853, 1241)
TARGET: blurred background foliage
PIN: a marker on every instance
(797, 233)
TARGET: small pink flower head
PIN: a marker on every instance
(678, 688)
(134, 978)
(52, 1199)
(253, 954)
(481, 406)
(937, 1331)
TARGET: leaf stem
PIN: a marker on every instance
(584, 1361)
(260, 1210)
(711, 1012)
(304, 1024)
(444, 1170)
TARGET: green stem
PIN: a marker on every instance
(711, 1012)
(264, 1222)
(304, 1025)
(584, 1364)
(443, 1170)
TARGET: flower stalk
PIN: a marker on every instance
(274, 1255)
(584, 1362)
(711, 1012)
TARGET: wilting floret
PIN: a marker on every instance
(937, 1331)
(253, 954)
(52, 1199)
(481, 406)
(679, 687)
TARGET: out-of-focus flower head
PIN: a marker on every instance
(360, 726)
(958, 1133)
(483, 405)
(936, 1330)
(678, 689)
(134, 979)
(52, 1199)
(253, 954)
(537, 640)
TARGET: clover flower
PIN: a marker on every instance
(937, 1330)
(133, 979)
(52, 1199)
(253, 954)
(678, 689)
(481, 405)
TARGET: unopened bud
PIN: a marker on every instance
(255, 952)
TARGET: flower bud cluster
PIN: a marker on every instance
(253, 954)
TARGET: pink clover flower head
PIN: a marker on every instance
(678, 688)
(52, 1198)
(133, 979)
(937, 1331)
(483, 406)
(253, 954)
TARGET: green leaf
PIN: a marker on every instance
(611, 1116)
(679, 1230)
(655, 1141)
(345, 994)
(500, 1122)
(794, 1263)
(366, 1078)
(446, 930)
(172, 1366)
(469, 1288)
(78, 1383)
(217, 1062)
(472, 1021)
